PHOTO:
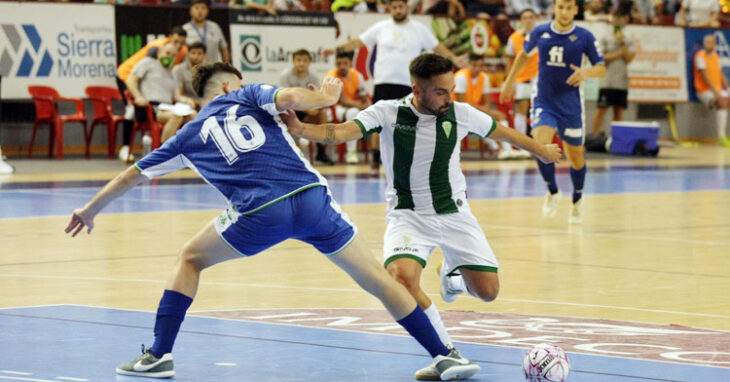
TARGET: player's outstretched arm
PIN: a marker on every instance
(306, 99)
(84, 217)
(327, 133)
(549, 153)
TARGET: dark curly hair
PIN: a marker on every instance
(203, 72)
(429, 65)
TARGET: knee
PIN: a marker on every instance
(487, 291)
(407, 279)
(190, 258)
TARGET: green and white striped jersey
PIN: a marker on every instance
(421, 152)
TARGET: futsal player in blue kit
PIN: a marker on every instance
(557, 104)
(240, 147)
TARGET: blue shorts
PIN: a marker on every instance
(570, 129)
(311, 216)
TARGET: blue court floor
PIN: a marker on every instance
(38, 199)
(80, 343)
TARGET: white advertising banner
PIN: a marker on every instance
(65, 46)
(262, 45)
(658, 72)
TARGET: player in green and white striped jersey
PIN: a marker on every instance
(426, 191)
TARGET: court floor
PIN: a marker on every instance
(636, 293)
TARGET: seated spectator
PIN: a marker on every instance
(354, 97)
(596, 10)
(183, 72)
(643, 12)
(289, 5)
(300, 76)
(451, 8)
(472, 85)
(177, 37)
(699, 13)
(152, 83)
(262, 6)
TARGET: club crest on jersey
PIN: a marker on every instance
(446, 125)
(572, 38)
(545, 35)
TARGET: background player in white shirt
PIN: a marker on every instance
(426, 189)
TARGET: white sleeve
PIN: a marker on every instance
(428, 40)
(460, 84)
(370, 36)
(510, 49)
(479, 122)
(700, 63)
(371, 119)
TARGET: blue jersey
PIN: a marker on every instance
(558, 50)
(240, 147)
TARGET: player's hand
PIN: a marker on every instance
(551, 153)
(80, 218)
(577, 77)
(331, 88)
(289, 117)
(508, 91)
(328, 52)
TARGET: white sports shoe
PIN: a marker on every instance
(448, 292)
(123, 152)
(351, 157)
(428, 373)
(5, 168)
(455, 367)
(550, 205)
(576, 213)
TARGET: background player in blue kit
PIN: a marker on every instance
(557, 104)
(240, 147)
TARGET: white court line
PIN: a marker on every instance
(26, 379)
(15, 372)
(72, 379)
(347, 290)
(225, 364)
(132, 199)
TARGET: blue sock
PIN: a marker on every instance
(420, 328)
(578, 177)
(170, 315)
(548, 173)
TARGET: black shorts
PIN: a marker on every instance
(390, 91)
(612, 97)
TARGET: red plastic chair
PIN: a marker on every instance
(45, 99)
(101, 98)
(151, 125)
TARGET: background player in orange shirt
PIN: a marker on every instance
(472, 86)
(711, 85)
(525, 79)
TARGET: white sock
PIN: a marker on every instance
(506, 146)
(521, 123)
(721, 123)
(351, 146)
(491, 143)
(438, 324)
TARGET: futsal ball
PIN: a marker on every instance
(546, 363)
